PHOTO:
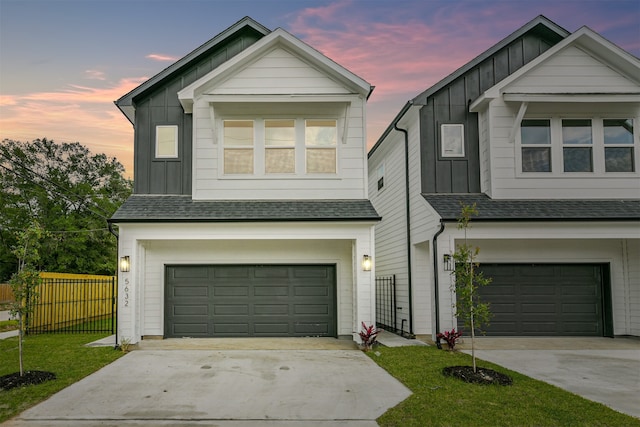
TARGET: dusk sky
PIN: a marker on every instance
(63, 63)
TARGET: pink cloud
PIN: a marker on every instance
(94, 75)
(160, 57)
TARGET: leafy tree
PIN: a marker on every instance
(474, 313)
(70, 192)
(24, 282)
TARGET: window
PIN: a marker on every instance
(452, 140)
(238, 146)
(381, 176)
(321, 142)
(536, 145)
(618, 145)
(280, 146)
(167, 141)
(577, 143)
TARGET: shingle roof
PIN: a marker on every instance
(169, 208)
(448, 207)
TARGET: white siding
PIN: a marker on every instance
(153, 246)
(632, 291)
(347, 183)
(572, 70)
(278, 72)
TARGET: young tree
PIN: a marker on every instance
(468, 307)
(69, 191)
(24, 282)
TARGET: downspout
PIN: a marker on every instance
(436, 292)
(112, 231)
(408, 214)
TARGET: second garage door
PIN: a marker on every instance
(250, 300)
(545, 299)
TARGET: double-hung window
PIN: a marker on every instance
(618, 145)
(536, 145)
(577, 145)
(280, 146)
(238, 146)
(321, 143)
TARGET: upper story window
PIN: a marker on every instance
(238, 146)
(277, 147)
(577, 146)
(618, 145)
(452, 140)
(280, 146)
(558, 145)
(320, 137)
(166, 142)
(535, 138)
(381, 176)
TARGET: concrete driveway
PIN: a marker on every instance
(235, 388)
(604, 370)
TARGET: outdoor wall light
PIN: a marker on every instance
(449, 262)
(125, 264)
(366, 263)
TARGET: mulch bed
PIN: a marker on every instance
(7, 382)
(481, 376)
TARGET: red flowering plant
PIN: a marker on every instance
(368, 335)
(451, 337)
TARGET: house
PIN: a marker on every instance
(542, 133)
(250, 214)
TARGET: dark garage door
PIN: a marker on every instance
(545, 299)
(250, 300)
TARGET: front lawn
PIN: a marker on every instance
(63, 354)
(445, 401)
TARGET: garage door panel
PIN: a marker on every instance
(184, 310)
(190, 272)
(196, 329)
(190, 291)
(265, 300)
(544, 299)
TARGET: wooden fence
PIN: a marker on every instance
(6, 295)
(74, 303)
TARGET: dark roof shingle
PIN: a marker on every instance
(448, 207)
(169, 208)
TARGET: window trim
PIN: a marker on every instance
(175, 142)
(457, 143)
(380, 176)
(597, 148)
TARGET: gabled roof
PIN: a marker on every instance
(586, 39)
(125, 103)
(169, 208)
(539, 24)
(277, 38)
(448, 207)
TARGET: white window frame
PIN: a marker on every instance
(240, 147)
(333, 148)
(452, 140)
(174, 155)
(597, 148)
(260, 147)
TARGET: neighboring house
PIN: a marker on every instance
(250, 214)
(542, 133)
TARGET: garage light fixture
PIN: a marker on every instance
(125, 264)
(366, 263)
(449, 262)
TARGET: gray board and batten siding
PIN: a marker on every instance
(448, 103)
(159, 105)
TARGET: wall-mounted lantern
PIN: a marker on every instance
(125, 264)
(366, 263)
(449, 262)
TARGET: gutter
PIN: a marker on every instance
(436, 290)
(408, 216)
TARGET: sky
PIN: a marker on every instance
(64, 62)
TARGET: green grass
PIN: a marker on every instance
(444, 401)
(65, 355)
(8, 325)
